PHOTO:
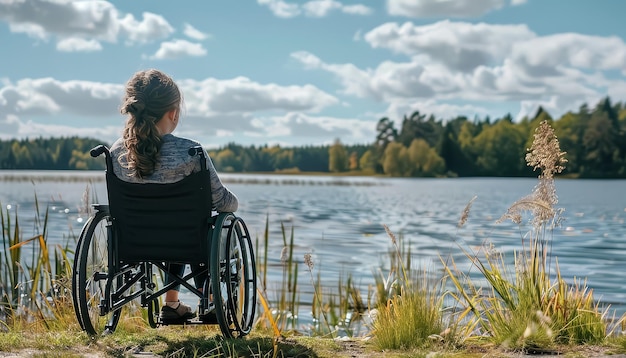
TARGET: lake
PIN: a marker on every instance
(340, 221)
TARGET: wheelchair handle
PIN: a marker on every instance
(197, 150)
(98, 150)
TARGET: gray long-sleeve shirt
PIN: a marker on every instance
(175, 164)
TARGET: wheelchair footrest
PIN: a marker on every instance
(186, 322)
(174, 322)
(206, 318)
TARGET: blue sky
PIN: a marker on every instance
(304, 72)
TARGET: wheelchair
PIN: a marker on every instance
(124, 245)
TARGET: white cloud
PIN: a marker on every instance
(301, 126)
(618, 90)
(281, 8)
(152, 27)
(442, 8)
(243, 95)
(10, 127)
(357, 9)
(388, 81)
(444, 111)
(454, 66)
(76, 44)
(309, 60)
(42, 18)
(34, 107)
(92, 21)
(313, 8)
(460, 45)
(30, 107)
(32, 30)
(320, 8)
(194, 33)
(518, 2)
(33, 129)
(570, 49)
(50, 96)
(177, 49)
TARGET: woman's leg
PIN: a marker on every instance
(175, 310)
(198, 279)
(173, 270)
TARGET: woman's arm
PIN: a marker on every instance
(223, 199)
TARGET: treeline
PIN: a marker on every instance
(417, 146)
(236, 158)
(49, 153)
(423, 146)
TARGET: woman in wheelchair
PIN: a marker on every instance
(148, 152)
(162, 191)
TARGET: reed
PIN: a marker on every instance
(35, 289)
(284, 315)
(352, 309)
(334, 312)
(529, 306)
(10, 267)
(318, 309)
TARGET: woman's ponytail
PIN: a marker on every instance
(149, 95)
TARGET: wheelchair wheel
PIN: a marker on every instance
(92, 276)
(75, 279)
(242, 293)
(153, 313)
(233, 276)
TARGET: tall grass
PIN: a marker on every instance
(529, 306)
(35, 289)
(409, 304)
(284, 315)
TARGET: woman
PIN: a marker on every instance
(148, 152)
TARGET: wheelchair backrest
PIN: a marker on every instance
(161, 222)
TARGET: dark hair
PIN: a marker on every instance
(149, 96)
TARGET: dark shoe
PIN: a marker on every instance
(178, 314)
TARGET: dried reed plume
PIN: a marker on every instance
(465, 213)
(391, 235)
(284, 255)
(544, 154)
(308, 261)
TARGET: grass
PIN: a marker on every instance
(529, 306)
(408, 311)
(166, 342)
(518, 305)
